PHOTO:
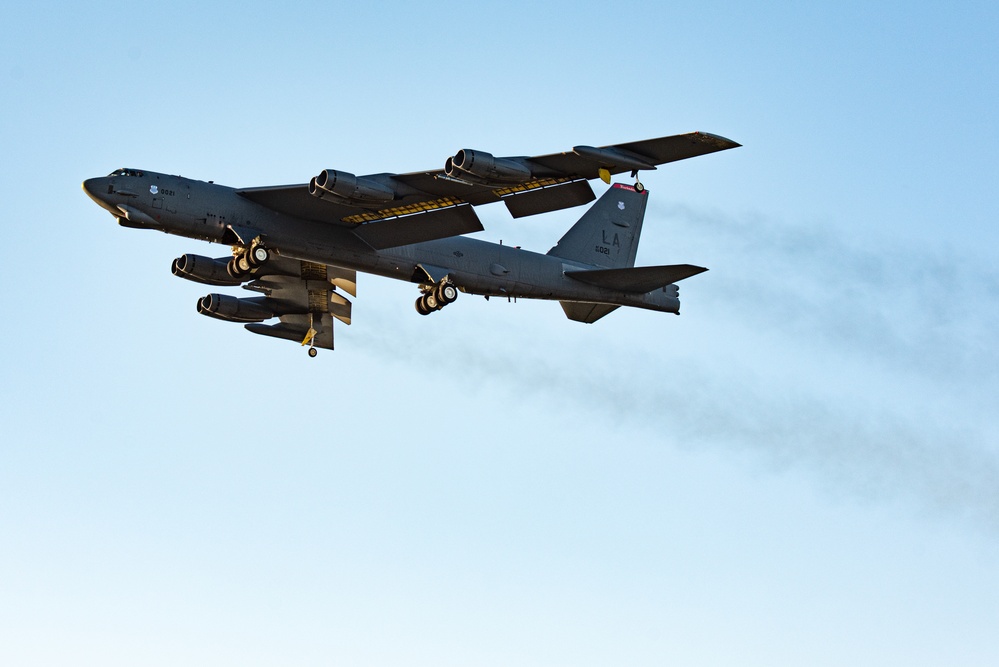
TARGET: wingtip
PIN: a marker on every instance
(718, 140)
(696, 270)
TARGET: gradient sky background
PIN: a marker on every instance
(802, 469)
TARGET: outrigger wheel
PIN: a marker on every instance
(313, 352)
(638, 184)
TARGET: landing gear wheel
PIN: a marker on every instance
(234, 269)
(313, 352)
(421, 307)
(431, 302)
(639, 187)
(258, 255)
(447, 293)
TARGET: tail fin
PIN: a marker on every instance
(607, 234)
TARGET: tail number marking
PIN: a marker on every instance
(616, 242)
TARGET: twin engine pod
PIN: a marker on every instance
(203, 270)
(466, 165)
(347, 187)
(233, 309)
(483, 168)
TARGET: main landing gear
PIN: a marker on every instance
(244, 260)
(435, 297)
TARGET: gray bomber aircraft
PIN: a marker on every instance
(300, 246)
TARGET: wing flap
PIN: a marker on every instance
(411, 219)
(418, 227)
(636, 280)
(345, 279)
(544, 198)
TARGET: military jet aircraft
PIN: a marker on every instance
(300, 246)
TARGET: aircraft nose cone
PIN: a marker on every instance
(91, 186)
(97, 189)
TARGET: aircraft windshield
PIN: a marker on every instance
(125, 172)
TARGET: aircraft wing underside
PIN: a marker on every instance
(388, 210)
(303, 296)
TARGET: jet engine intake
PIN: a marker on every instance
(203, 270)
(483, 168)
(232, 309)
(348, 187)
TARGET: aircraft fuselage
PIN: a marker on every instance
(210, 212)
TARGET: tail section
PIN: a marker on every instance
(607, 234)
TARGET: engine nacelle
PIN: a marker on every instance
(348, 187)
(203, 270)
(232, 309)
(486, 169)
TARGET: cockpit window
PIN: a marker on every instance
(125, 172)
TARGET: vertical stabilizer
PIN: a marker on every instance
(607, 234)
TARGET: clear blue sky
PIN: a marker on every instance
(801, 469)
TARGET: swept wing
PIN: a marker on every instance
(387, 210)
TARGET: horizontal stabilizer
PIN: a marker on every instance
(586, 312)
(637, 280)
